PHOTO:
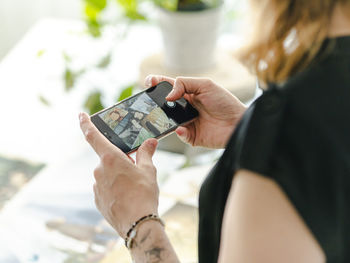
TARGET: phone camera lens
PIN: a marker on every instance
(171, 104)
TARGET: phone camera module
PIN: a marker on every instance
(171, 104)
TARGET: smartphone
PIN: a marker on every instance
(147, 114)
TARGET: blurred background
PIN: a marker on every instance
(17, 16)
(60, 57)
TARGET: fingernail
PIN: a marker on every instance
(179, 132)
(148, 82)
(153, 143)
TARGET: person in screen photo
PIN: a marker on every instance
(113, 116)
(130, 134)
(125, 123)
(129, 129)
(132, 129)
(157, 121)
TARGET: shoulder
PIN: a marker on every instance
(325, 79)
(319, 92)
(310, 107)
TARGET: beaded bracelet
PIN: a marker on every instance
(130, 236)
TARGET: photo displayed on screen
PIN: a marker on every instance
(137, 119)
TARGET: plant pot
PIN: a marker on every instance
(189, 39)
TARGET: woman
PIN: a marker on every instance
(279, 192)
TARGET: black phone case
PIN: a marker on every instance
(180, 111)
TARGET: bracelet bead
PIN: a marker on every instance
(131, 234)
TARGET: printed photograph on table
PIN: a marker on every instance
(137, 119)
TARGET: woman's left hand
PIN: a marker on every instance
(125, 190)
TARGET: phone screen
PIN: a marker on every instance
(137, 119)
(145, 115)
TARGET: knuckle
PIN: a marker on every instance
(180, 84)
(113, 209)
(163, 78)
(97, 203)
(181, 80)
(208, 81)
(107, 159)
(150, 167)
(97, 173)
(148, 79)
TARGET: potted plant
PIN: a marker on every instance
(189, 28)
(190, 35)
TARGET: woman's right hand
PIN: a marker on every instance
(219, 110)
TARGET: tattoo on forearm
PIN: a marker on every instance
(143, 239)
(154, 255)
(153, 247)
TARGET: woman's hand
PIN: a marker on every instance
(125, 190)
(219, 110)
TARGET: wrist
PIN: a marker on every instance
(152, 244)
(132, 232)
(148, 235)
(129, 219)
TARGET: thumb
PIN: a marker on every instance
(145, 152)
(183, 133)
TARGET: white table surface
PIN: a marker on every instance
(30, 129)
(51, 135)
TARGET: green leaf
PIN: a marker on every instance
(192, 5)
(44, 101)
(127, 92)
(94, 28)
(97, 4)
(40, 53)
(135, 15)
(66, 57)
(91, 12)
(130, 8)
(69, 79)
(167, 4)
(93, 102)
(128, 5)
(105, 61)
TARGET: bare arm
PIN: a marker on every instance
(152, 245)
(261, 225)
(125, 191)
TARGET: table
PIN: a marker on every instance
(53, 219)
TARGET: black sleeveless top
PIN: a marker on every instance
(298, 135)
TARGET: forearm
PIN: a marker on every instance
(151, 245)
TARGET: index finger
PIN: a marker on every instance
(188, 85)
(98, 142)
(152, 80)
